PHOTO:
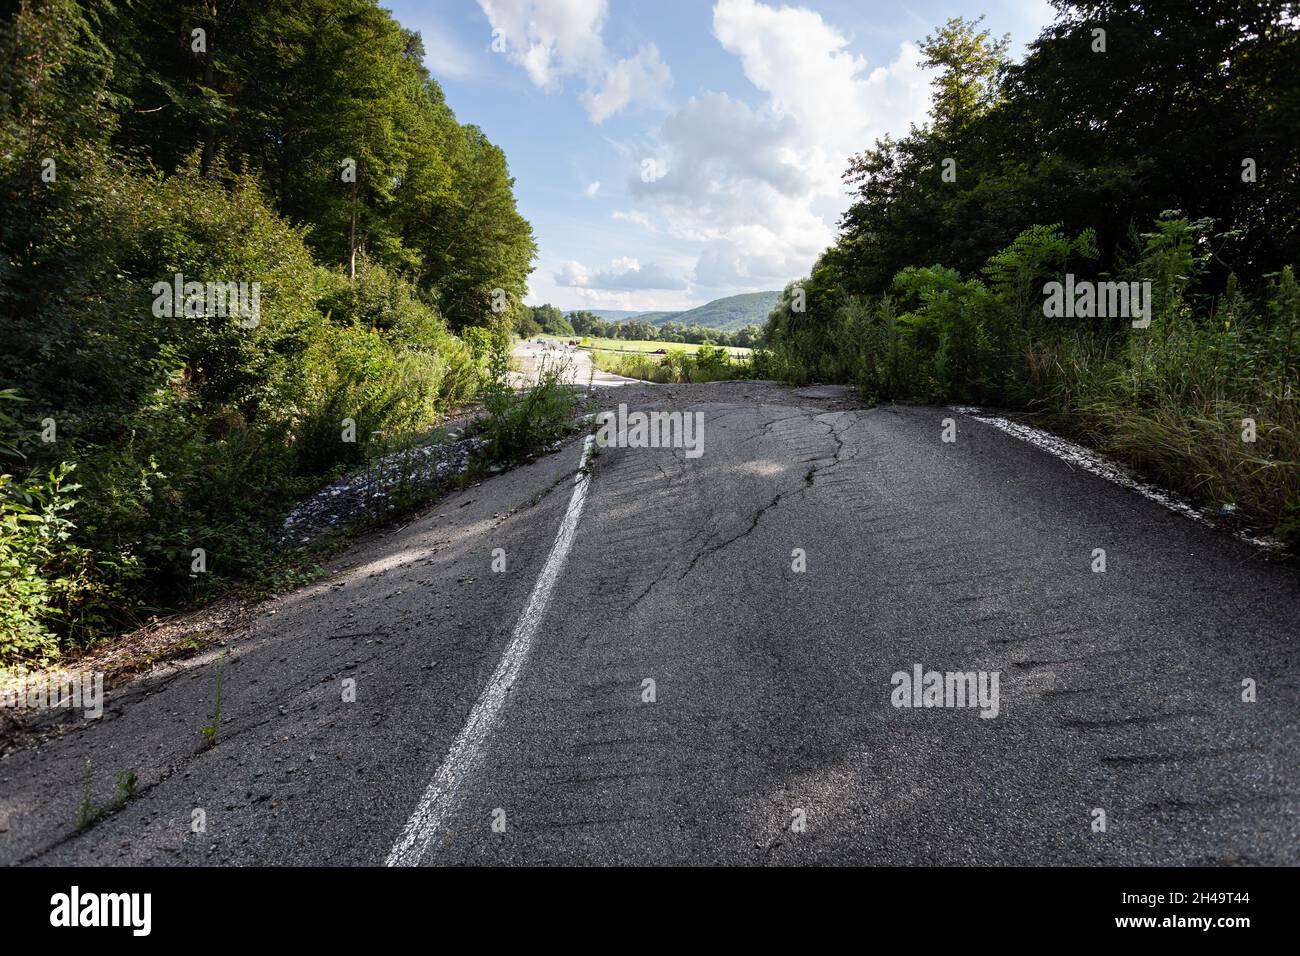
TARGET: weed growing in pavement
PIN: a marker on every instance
(210, 730)
(127, 784)
(87, 812)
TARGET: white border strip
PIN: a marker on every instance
(1090, 461)
(466, 750)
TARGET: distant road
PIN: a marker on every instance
(530, 356)
(693, 660)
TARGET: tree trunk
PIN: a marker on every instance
(352, 237)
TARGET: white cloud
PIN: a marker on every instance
(549, 38)
(625, 274)
(639, 218)
(591, 190)
(804, 65)
(573, 273)
(760, 187)
(641, 78)
(714, 137)
(643, 301)
(552, 39)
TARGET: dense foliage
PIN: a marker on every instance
(540, 319)
(709, 363)
(588, 323)
(141, 140)
(1172, 158)
(523, 423)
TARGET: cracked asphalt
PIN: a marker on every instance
(771, 737)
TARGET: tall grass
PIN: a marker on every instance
(708, 364)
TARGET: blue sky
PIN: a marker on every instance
(670, 152)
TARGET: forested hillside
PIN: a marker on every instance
(729, 314)
(668, 330)
(1148, 143)
(230, 234)
(735, 320)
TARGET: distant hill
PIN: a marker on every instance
(609, 315)
(657, 318)
(733, 312)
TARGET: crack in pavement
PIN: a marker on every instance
(776, 500)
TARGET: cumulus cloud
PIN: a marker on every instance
(592, 189)
(760, 186)
(552, 39)
(573, 273)
(548, 38)
(642, 78)
(640, 218)
(625, 274)
(804, 65)
(715, 138)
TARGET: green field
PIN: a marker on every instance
(633, 345)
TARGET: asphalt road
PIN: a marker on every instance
(771, 737)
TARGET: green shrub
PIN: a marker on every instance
(42, 571)
(195, 431)
(710, 363)
(33, 530)
(521, 424)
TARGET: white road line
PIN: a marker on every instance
(467, 749)
(1103, 467)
